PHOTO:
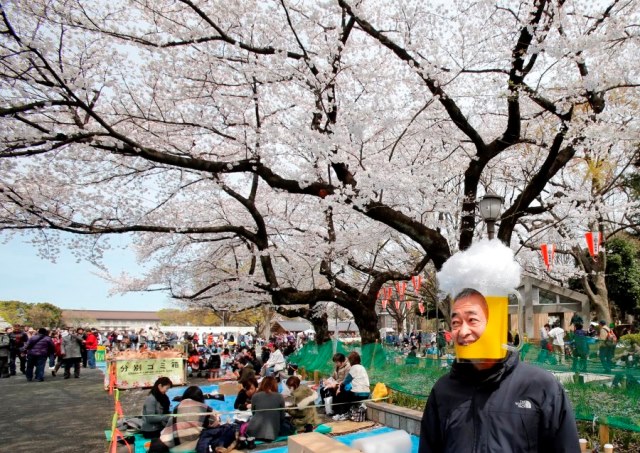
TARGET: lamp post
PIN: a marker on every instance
(490, 206)
(223, 311)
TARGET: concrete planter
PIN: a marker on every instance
(395, 417)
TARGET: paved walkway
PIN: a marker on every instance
(57, 415)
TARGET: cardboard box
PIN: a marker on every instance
(316, 443)
(229, 388)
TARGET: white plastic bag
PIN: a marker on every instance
(327, 405)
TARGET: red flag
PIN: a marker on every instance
(401, 287)
(397, 304)
(384, 304)
(416, 281)
(548, 252)
(594, 241)
(408, 304)
(421, 307)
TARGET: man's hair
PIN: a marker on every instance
(467, 292)
(470, 292)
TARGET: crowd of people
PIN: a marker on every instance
(29, 351)
(273, 401)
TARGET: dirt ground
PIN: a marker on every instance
(57, 415)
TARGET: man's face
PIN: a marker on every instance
(468, 319)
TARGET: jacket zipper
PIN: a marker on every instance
(475, 419)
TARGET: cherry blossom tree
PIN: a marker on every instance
(298, 153)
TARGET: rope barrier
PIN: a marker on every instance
(270, 410)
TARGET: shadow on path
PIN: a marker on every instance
(57, 415)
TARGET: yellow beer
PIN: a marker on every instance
(491, 344)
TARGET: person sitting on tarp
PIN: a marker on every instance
(268, 420)
(155, 412)
(330, 386)
(276, 362)
(431, 350)
(354, 388)
(304, 415)
(243, 400)
(412, 358)
(192, 415)
(244, 370)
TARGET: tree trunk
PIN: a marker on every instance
(321, 326)
(594, 283)
(599, 298)
(366, 319)
(267, 312)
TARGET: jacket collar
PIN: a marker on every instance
(465, 371)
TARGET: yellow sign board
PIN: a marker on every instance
(140, 373)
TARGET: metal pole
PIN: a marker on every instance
(491, 228)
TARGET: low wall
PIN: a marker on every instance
(395, 417)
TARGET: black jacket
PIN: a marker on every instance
(511, 407)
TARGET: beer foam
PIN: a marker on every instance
(487, 266)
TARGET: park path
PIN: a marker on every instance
(57, 415)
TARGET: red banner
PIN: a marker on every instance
(594, 241)
(408, 304)
(397, 304)
(548, 253)
(384, 303)
(421, 307)
(401, 287)
(416, 281)
(388, 292)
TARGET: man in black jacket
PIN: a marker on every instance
(19, 339)
(494, 405)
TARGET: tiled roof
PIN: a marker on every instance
(99, 315)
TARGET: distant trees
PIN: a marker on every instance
(36, 315)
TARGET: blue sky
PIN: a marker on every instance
(67, 284)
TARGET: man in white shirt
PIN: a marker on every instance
(557, 336)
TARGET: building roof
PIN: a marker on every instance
(109, 315)
(302, 326)
(294, 326)
(344, 326)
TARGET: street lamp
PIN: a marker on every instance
(490, 206)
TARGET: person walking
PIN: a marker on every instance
(38, 349)
(556, 335)
(71, 351)
(606, 346)
(57, 343)
(5, 343)
(18, 338)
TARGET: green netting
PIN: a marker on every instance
(606, 397)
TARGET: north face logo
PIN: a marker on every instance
(524, 404)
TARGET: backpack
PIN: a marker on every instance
(612, 339)
(358, 413)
